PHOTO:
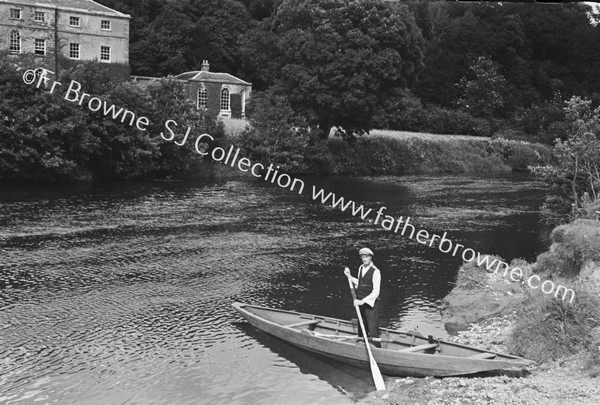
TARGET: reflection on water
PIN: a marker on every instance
(122, 294)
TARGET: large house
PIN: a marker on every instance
(220, 94)
(82, 29)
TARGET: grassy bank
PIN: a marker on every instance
(385, 154)
(562, 337)
(547, 328)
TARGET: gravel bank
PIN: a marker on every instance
(563, 382)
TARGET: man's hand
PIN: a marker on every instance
(358, 302)
(347, 272)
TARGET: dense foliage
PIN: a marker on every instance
(489, 69)
(47, 138)
(335, 60)
(575, 180)
(350, 64)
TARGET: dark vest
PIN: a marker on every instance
(365, 283)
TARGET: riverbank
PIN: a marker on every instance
(565, 381)
(441, 154)
(388, 153)
(499, 315)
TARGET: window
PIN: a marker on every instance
(105, 53)
(105, 25)
(40, 46)
(15, 42)
(73, 50)
(225, 99)
(74, 21)
(40, 16)
(202, 97)
(15, 13)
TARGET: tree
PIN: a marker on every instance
(580, 154)
(335, 60)
(575, 180)
(47, 138)
(177, 36)
(42, 137)
(483, 93)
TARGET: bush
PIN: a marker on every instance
(454, 122)
(279, 136)
(51, 139)
(574, 245)
(383, 155)
(472, 277)
(548, 329)
(403, 112)
(523, 157)
(543, 122)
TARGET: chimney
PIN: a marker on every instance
(205, 66)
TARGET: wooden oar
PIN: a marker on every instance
(375, 373)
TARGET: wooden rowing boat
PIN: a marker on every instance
(401, 353)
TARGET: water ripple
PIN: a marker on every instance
(123, 294)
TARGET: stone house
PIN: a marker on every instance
(73, 29)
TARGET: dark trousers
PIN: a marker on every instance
(370, 318)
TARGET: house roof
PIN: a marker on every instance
(83, 5)
(204, 76)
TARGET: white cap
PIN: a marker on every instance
(365, 251)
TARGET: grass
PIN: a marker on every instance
(423, 135)
(391, 152)
(472, 277)
(575, 245)
(549, 329)
(429, 153)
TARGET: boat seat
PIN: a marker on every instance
(482, 356)
(418, 348)
(302, 323)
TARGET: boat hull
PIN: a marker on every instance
(393, 359)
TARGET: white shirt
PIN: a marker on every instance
(370, 299)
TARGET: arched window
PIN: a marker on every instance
(202, 97)
(243, 103)
(225, 99)
(15, 42)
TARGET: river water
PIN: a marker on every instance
(122, 294)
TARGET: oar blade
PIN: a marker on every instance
(377, 377)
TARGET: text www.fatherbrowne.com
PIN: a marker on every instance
(232, 158)
(403, 226)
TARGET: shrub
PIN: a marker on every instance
(543, 121)
(454, 122)
(279, 136)
(574, 244)
(471, 277)
(523, 157)
(433, 120)
(548, 328)
(404, 111)
(556, 129)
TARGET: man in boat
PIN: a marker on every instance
(367, 286)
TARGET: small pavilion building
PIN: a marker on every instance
(220, 94)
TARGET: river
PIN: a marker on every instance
(122, 294)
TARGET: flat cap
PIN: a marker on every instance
(365, 251)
